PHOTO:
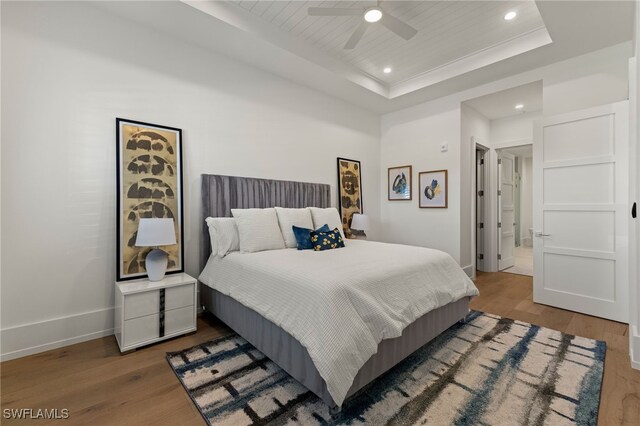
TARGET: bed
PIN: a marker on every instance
(279, 301)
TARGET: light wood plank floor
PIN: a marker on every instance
(99, 386)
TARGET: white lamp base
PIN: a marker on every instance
(156, 264)
(357, 234)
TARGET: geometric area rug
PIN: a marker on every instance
(487, 371)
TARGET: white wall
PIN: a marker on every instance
(413, 136)
(514, 130)
(403, 222)
(69, 69)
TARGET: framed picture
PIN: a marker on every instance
(433, 189)
(350, 196)
(399, 183)
(149, 179)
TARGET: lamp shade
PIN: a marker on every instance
(359, 222)
(156, 232)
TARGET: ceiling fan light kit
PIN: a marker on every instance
(373, 14)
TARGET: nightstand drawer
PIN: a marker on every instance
(179, 297)
(178, 320)
(141, 329)
(151, 311)
(141, 304)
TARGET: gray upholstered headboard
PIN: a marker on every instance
(220, 194)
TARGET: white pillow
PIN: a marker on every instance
(330, 216)
(290, 217)
(223, 233)
(258, 229)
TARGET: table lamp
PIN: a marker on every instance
(156, 232)
(359, 223)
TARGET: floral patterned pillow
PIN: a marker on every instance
(326, 240)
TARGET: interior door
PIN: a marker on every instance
(506, 210)
(580, 187)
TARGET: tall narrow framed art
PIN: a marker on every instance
(350, 191)
(149, 185)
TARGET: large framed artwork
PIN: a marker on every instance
(434, 190)
(350, 196)
(149, 171)
(399, 183)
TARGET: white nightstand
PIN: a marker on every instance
(147, 312)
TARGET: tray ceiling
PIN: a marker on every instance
(268, 40)
(447, 31)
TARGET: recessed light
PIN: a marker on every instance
(387, 70)
(373, 15)
(510, 15)
(519, 106)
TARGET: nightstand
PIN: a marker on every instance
(150, 311)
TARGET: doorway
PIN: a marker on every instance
(515, 210)
(498, 122)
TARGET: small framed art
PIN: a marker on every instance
(399, 183)
(433, 189)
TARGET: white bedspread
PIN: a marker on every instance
(339, 304)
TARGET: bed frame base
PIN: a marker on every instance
(292, 357)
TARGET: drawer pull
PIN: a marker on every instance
(161, 316)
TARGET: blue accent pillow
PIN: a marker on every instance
(326, 240)
(303, 236)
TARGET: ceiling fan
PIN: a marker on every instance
(370, 15)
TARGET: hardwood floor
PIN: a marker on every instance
(99, 386)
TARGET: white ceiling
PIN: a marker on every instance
(502, 104)
(447, 31)
(576, 27)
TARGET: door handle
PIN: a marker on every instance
(633, 211)
(540, 234)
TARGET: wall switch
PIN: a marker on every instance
(444, 147)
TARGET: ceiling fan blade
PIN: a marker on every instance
(333, 11)
(356, 36)
(405, 31)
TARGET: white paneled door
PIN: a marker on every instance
(581, 166)
(506, 211)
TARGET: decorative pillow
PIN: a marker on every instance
(223, 233)
(288, 218)
(303, 236)
(330, 216)
(326, 240)
(258, 229)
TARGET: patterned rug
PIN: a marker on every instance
(487, 371)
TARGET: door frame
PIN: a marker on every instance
(477, 145)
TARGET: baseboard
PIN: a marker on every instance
(41, 336)
(29, 339)
(634, 346)
(468, 270)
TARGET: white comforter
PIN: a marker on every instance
(339, 304)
